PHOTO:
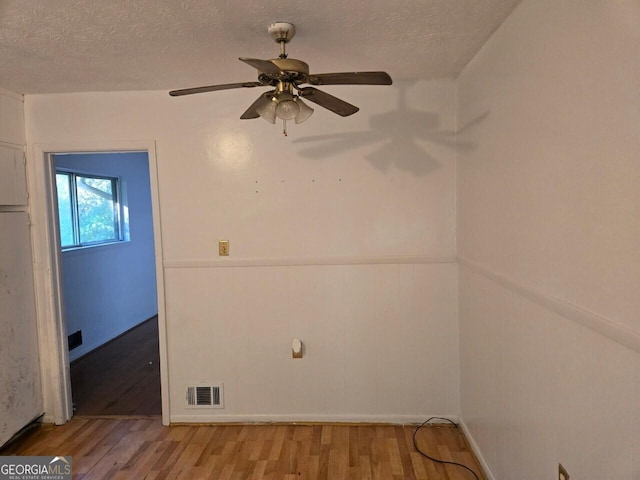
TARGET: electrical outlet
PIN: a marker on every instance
(562, 473)
(223, 248)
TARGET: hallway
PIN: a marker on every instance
(121, 377)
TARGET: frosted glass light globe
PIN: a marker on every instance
(287, 108)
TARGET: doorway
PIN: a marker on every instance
(52, 282)
(105, 221)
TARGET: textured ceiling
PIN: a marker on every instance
(49, 46)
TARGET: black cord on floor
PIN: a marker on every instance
(415, 445)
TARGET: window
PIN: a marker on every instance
(88, 209)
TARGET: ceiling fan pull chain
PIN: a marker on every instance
(284, 128)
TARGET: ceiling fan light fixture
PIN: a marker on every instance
(268, 111)
(305, 110)
(287, 108)
(285, 76)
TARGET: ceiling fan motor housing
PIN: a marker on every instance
(293, 70)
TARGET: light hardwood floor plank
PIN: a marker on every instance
(141, 448)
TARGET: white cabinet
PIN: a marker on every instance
(20, 385)
(13, 184)
(21, 398)
(11, 118)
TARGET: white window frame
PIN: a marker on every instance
(119, 217)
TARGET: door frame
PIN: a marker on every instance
(45, 238)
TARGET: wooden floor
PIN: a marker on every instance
(121, 377)
(127, 448)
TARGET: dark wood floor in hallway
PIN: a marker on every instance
(119, 448)
(121, 377)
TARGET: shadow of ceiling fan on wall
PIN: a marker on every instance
(285, 76)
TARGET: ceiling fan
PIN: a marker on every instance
(285, 76)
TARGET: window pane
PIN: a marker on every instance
(65, 212)
(96, 212)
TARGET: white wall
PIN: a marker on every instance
(112, 288)
(20, 385)
(548, 235)
(342, 233)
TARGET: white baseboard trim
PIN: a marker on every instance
(306, 418)
(476, 450)
(48, 419)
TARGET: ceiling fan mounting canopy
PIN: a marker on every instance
(285, 76)
(282, 31)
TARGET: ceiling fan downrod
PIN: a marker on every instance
(282, 33)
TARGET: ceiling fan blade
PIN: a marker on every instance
(262, 100)
(261, 65)
(350, 78)
(213, 88)
(329, 102)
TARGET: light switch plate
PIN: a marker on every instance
(223, 248)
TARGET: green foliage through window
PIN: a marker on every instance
(88, 209)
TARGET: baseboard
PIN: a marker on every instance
(48, 419)
(476, 450)
(307, 418)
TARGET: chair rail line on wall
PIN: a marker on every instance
(602, 325)
(308, 261)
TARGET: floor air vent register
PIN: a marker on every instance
(205, 396)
